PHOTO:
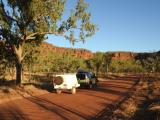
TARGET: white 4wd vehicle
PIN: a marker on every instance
(65, 82)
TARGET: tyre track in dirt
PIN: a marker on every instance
(87, 104)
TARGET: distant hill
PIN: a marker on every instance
(86, 54)
(132, 55)
(80, 53)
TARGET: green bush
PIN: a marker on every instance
(126, 66)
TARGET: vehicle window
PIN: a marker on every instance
(88, 75)
(81, 76)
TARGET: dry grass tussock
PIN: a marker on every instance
(129, 108)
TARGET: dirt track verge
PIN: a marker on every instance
(143, 103)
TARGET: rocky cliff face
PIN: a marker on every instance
(123, 56)
(133, 56)
(80, 53)
(86, 54)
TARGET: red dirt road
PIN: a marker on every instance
(85, 105)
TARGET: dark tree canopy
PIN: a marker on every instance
(29, 21)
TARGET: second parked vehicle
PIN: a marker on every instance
(87, 79)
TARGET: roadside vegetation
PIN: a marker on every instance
(143, 102)
(47, 63)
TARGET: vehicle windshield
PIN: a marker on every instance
(81, 76)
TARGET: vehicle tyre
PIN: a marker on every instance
(58, 91)
(73, 90)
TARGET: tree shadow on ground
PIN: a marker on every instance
(45, 86)
(144, 112)
(64, 112)
(110, 91)
(116, 77)
(42, 82)
(4, 82)
(12, 113)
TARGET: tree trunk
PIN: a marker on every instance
(106, 75)
(18, 73)
(30, 71)
(97, 72)
(19, 58)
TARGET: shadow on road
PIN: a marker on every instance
(12, 113)
(108, 110)
(62, 111)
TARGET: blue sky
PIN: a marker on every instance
(124, 25)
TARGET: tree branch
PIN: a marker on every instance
(5, 14)
(31, 36)
(24, 55)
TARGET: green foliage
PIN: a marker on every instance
(65, 63)
(39, 61)
(126, 66)
(32, 54)
(98, 59)
(150, 62)
(107, 58)
(6, 61)
(100, 62)
(89, 64)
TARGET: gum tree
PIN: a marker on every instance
(107, 59)
(29, 21)
(98, 61)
